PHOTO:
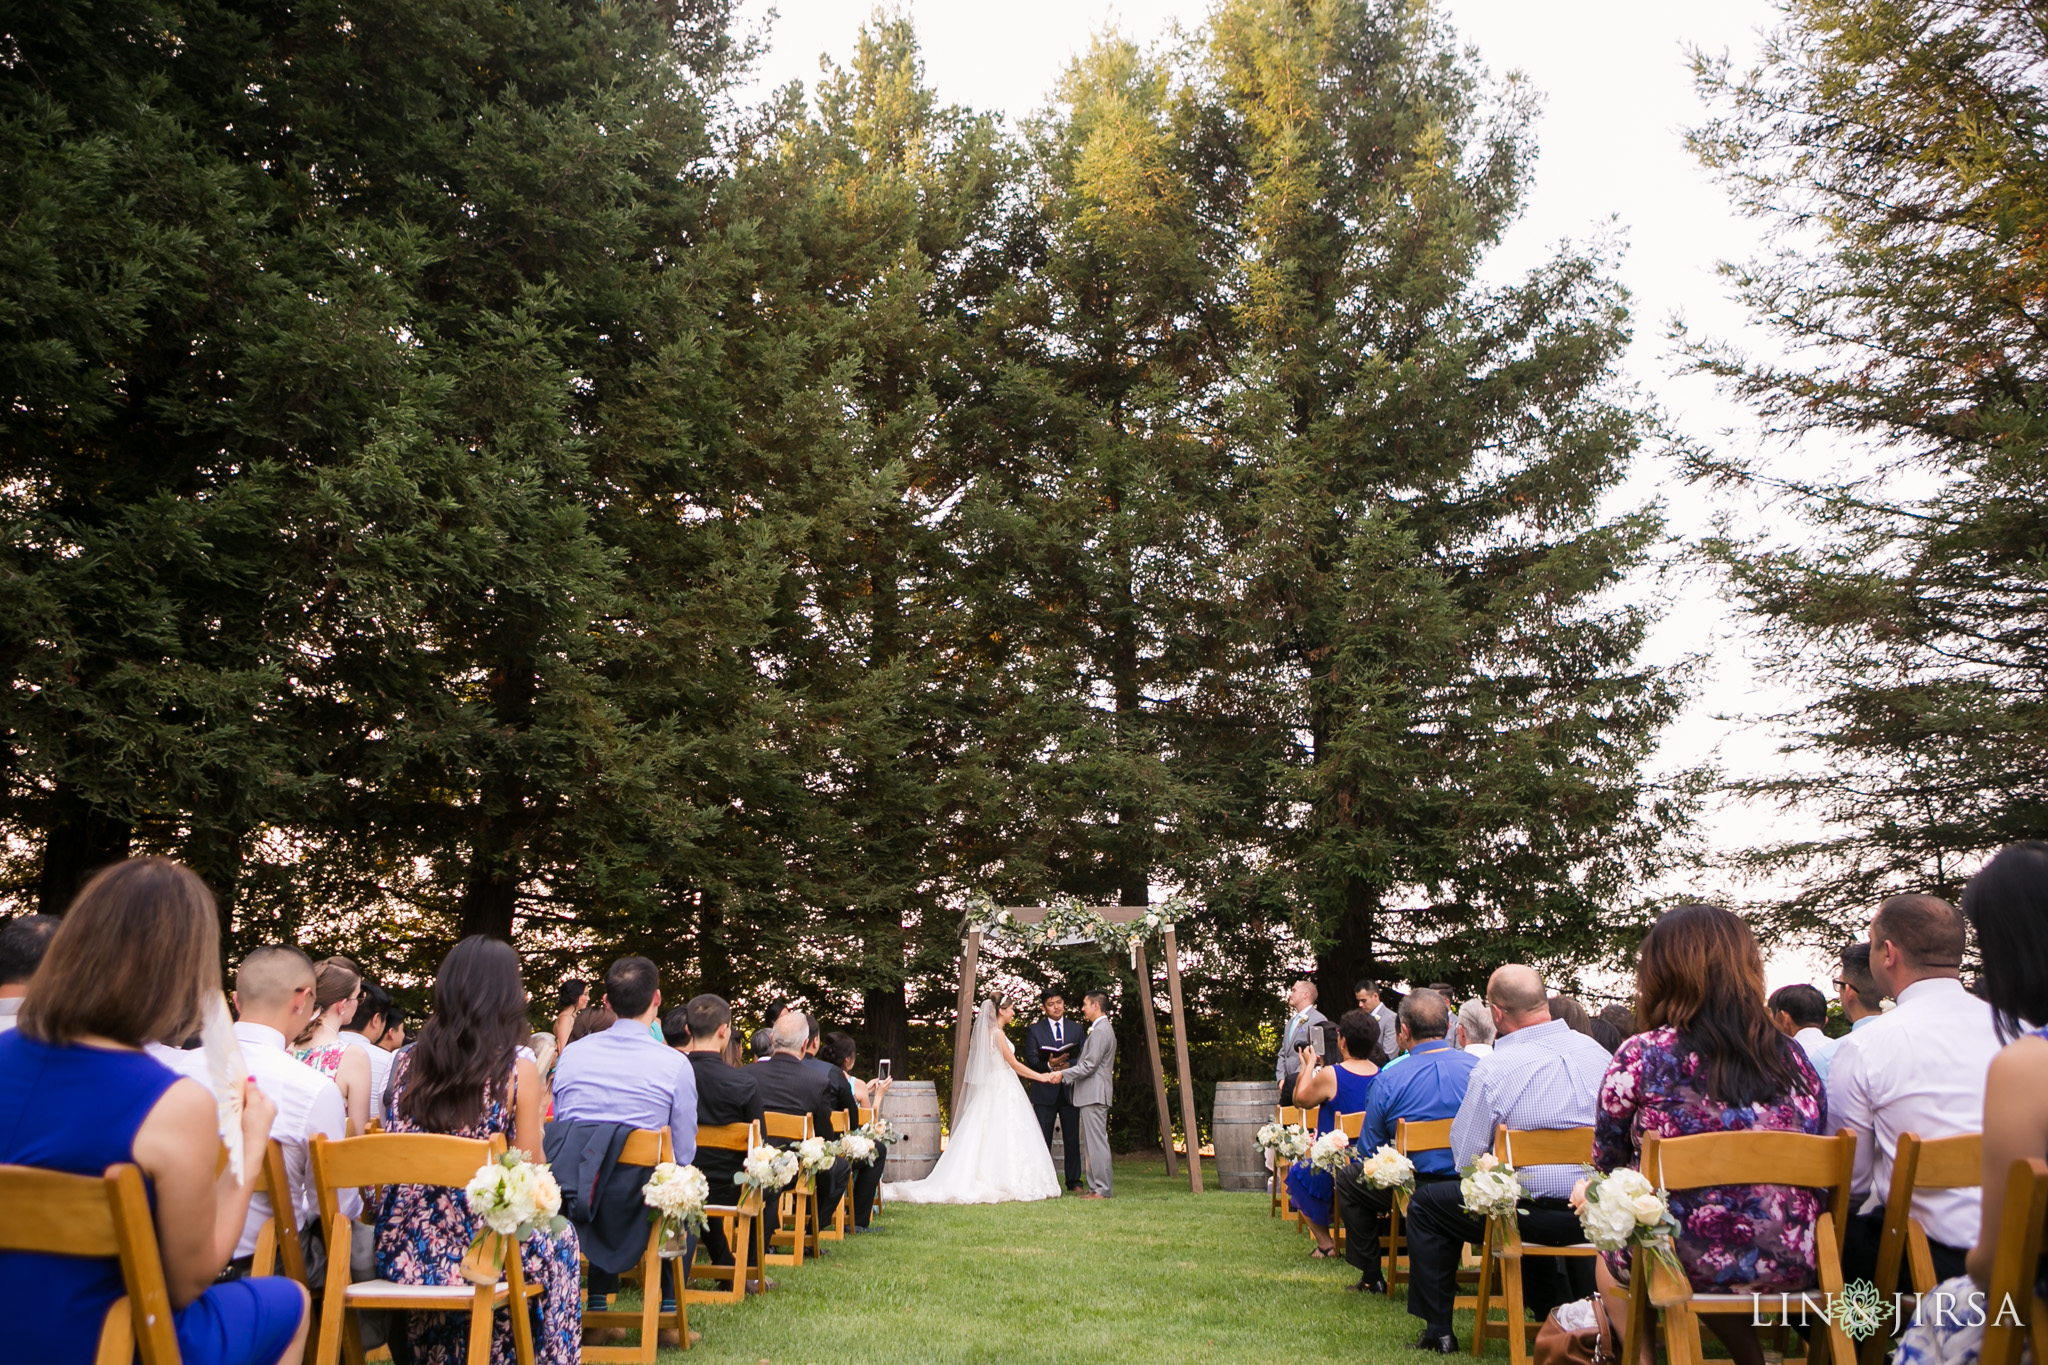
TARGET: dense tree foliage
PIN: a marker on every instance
(463, 473)
(1898, 145)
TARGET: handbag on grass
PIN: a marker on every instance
(1576, 1333)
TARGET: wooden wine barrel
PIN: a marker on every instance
(913, 1107)
(1242, 1108)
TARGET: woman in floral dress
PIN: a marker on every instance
(337, 991)
(465, 1076)
(1711, 1061)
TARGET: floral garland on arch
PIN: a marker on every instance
(1067, 920)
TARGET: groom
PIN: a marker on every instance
(1091, 1077)
(1049, 1045)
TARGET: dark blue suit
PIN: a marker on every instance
(1057, 1101)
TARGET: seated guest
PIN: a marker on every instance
(1918, 1068)
(788, 1086)
(675, 1028)
(362, 1031)
(319, 1044)
(1800, 1012)
(725, 1094)
(464, 1076)
(763, 1044)
(1540, 1074)
(839, 1050)
(1621, 1019)
(1604, 1033)
(623, 1076)
(1573, 1013)
(1857, 989)
(395, 1020)
(596, 1019)
(571, 999)
(2007, 905)
(833, 1184)
(1710, 1061)
(274, 996)
(1429, 1088)
(23, 941)
(1475, 1028)
(136, 959)
(1333, 1089)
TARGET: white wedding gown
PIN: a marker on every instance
(996, 1153)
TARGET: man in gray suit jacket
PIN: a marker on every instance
(1092, 1075)
(1302, 1016)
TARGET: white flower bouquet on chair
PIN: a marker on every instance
(859, 1149)
(769, 1169)
(815, 1154)
(1285, 1141)
(1331, 1152)
(1623, 1209)
(677, 1194)
(1388, 1169)
(1491, 1189)
(515, 1197)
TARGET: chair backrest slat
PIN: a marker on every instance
(1352, 1124)
(2015, 1263)
(1950, 1163)
(788, 1127)
(839, 1124)
(56, 1213)
(1544, 1146)
(1751, 1157)
(395, 1159)
(728, 1137)
(1432, 1135)
(646, 1147)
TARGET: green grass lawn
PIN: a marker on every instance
(1155, 1274)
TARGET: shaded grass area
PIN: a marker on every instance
(1155, 1274)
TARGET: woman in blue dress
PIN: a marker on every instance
(1338, 1089)
(2006, 904)
(135, 961)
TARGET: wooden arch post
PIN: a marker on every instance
(970, 962)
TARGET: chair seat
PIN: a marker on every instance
(1560, 1248)
(390, 1294)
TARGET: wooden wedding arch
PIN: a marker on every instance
(970, 959)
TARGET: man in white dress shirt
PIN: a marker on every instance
(373, 1011)
(1918, 1069)
(273, 1001)
(23, 940)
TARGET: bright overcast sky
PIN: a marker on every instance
(1618, 98)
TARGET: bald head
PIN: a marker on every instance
(274, 987)
(790, 1033)
(1517, 996)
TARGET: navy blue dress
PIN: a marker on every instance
(1312, 1190)
(77, 1109)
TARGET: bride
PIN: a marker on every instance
(997, 1153)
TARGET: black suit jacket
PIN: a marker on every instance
(1039, 1043)
(841, 1090)
(789, 1087)
(725, 1094)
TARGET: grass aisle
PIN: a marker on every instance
(1155, 1274)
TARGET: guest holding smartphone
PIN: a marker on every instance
(1341, 1088)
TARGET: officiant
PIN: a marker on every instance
(1050, 1045)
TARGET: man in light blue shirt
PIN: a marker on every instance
(624, 1075)
(1429, 1087)
(1540, 1074)
(1799, 1012)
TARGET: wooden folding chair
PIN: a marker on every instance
(1283, 1206)
(1949, 1163)
(106, 1216)
(278, 1240)
(741, 1221)
(837, 1232)
(1755, 1157)
(1353, 1125)
(791, 1224)
(1504, 1248)
(647, 1147)
(2015, 1264)
(407, 1159)
(1410, 1138)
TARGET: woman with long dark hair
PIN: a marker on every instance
(464, 1076)
(1709, 1060)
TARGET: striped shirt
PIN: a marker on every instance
(1543, 1076)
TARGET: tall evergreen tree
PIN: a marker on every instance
(1458, 714)
(1898, 143)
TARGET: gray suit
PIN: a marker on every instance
(1287, 1066)
(1092, 1077)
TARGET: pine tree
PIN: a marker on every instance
(1898, 144)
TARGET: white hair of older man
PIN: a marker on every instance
(1477, 1020)
(791, 1032)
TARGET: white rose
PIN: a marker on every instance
(1649, 1209)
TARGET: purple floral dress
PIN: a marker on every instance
(1732, 1239)
(423, 1231)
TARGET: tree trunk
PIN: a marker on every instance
(80, 841)
(1348, 957)
(714, 957)
(886, 1014)
(489, 900)
(490, 895)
